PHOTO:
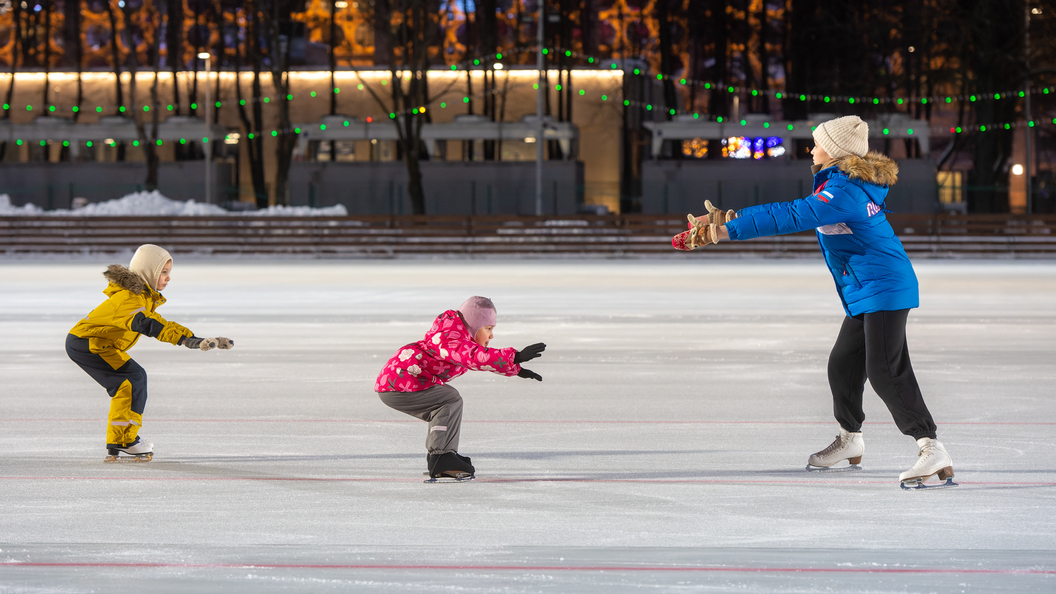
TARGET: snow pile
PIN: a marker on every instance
(146, 204)
(155, 204)
(300, 211)
(6, 209)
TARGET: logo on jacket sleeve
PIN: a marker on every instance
(872, 208)
(821, 193)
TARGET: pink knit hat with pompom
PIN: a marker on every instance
(478, 312)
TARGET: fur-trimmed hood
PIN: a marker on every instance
(874, 168)
(126, 279)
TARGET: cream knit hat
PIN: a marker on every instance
(147, 263)
(844, 136)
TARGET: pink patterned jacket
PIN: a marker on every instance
(446, 352)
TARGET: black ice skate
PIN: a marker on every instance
(137, 451)
(449, 467)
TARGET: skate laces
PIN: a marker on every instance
(832, 447)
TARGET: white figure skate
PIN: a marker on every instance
(933, 460)
(137, 451)
(847, 446)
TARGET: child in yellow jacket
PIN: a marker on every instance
(99, 344)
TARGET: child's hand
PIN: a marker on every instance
(529, 374)
(530, 352)
(224, 343)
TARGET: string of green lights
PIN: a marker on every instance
(994, 127)
(683, 81)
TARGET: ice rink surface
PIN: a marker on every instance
(663, 452)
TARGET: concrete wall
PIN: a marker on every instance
(451, 188)
(55, 185)
(679, 187)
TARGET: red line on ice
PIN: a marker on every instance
(545, 568)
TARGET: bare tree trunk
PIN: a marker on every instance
(746, 55)
(502, 113)
(663, 14)
(471, 50)
(219, 51)
(487, 26)
(718, 105)
(115, 57)
(333, 67)
(588, 27)
(197, 49)
(800, 55)
(764, 61)
(279, 52)
(17, 16)
(174, 44)
(253, 128)
(47, 54)
(148, 143)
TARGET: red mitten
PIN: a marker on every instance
(681, 241)
(700, 233)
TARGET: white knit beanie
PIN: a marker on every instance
(147, 262)
(844, 136)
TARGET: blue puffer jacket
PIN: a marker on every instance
(867, 261)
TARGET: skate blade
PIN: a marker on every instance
(918, 484)
(850, 468)
(461, 477)
(117, 458)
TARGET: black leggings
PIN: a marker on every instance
(873, 346)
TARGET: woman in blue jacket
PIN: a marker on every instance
(874, 279)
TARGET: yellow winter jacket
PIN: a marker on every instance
(116, 325)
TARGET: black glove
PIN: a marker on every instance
(191, 342)
(530, 352)
(529, 374)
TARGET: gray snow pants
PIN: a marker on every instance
(440, 406)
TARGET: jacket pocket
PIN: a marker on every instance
(849, 278)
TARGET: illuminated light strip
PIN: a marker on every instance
(498, 56)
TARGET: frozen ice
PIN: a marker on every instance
(663, 451)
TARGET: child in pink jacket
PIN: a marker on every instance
(415, 380)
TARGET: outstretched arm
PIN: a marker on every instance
(782, 218)
(138, 319)
(464, 352)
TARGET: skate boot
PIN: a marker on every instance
(848, 446)
(449, 467)
(138, 451)
(933, 461)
